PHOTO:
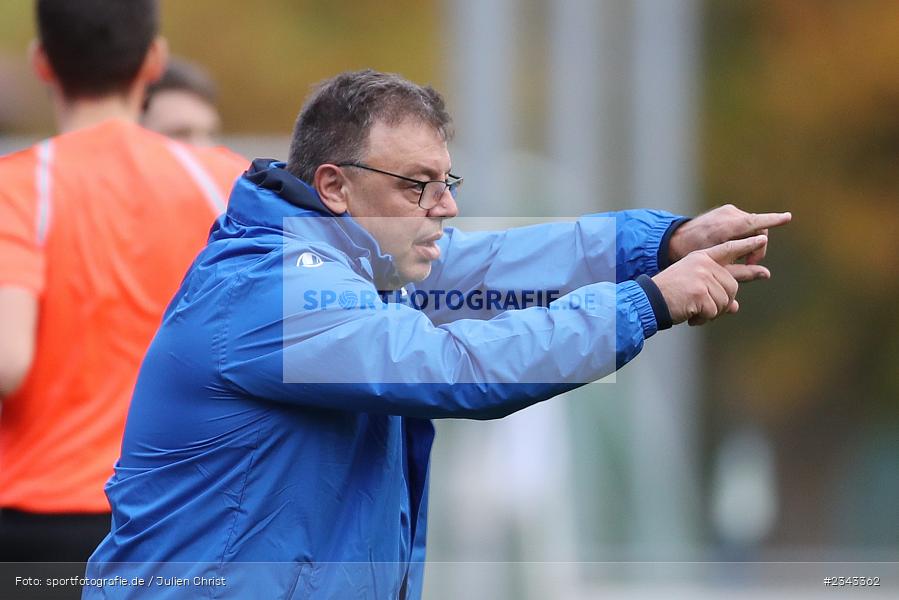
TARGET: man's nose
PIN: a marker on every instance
(446, 208)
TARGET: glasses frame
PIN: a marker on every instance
(449, 184)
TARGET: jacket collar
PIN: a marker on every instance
(267, 194)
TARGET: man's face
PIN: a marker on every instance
(183, 116)
(388, 207)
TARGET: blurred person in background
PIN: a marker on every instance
(97, 227)
(182, 104)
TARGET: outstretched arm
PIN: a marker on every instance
(350, 351)
(561, 257)
(326, 340)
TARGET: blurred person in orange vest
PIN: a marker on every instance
(97, 228)
(182, 104)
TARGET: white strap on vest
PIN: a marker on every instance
(43, 182)
(200, 176)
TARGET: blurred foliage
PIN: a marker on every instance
(265, 56)
(802, 114)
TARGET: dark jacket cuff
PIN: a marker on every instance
(657, 301)
(664, 257)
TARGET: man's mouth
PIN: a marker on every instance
(431, 239)
(427, 246)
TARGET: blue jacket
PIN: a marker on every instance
(278, 440)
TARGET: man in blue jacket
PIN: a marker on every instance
(279, 435)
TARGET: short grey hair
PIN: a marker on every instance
(335, 121)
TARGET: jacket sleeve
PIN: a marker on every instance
(325, 339)
(558, 257)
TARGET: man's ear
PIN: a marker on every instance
(331, 185)
(40, 64)
(155, 61)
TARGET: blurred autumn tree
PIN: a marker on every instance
(267, 55)
(802, 114)
(264, 55)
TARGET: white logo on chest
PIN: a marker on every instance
(310, 260)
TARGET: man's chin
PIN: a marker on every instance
(415, 272)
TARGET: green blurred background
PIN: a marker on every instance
(802, 111)
(795, 416)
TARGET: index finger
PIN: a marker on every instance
(766, 220)
(728, 252)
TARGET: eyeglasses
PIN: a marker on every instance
(429, 192)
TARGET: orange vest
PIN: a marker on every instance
(100, 224)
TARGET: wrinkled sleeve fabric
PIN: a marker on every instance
(352, 352)
(614, 246)
(642, 241)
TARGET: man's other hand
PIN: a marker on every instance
(720, 225)
(703, 285)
